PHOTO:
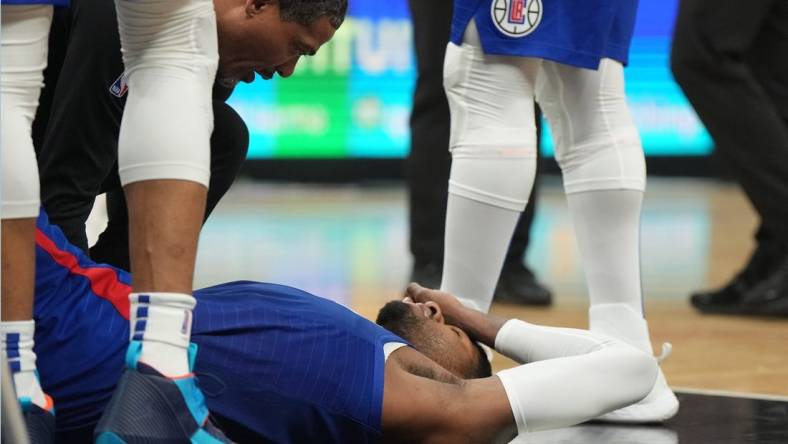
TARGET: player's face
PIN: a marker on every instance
(259, 41)
(447, 345)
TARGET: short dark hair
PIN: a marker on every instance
(306, 12)
(395, 317)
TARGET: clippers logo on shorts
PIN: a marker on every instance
(516, 18)
(119, 86)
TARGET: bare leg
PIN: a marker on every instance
(19, 267)
(165, 217)
(164, 165)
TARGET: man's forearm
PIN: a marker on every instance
(480, 326)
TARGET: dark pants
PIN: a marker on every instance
(731, 60)
(78, 122)
(429, 161)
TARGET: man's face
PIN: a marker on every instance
(254, 38)
(423, 325)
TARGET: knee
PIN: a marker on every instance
(615, 160)
(20, 187)
(171, 72)
(148, 36)
(494, 176)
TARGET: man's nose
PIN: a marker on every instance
(287, 69)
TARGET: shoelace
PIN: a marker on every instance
(667, 348)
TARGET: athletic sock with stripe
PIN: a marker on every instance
(17, 343)
(162, 324)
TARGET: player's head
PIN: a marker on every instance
(269, 36)
(422, 324)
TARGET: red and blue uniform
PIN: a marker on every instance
(572, 32)
(275, 363)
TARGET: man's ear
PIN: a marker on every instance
(436, 312)
(254, 7)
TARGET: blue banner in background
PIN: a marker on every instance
(353, 99)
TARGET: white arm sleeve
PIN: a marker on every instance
(569, 376)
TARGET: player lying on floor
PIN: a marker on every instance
(279, 364)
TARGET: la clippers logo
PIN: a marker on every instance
(516, 18)
(119, 86)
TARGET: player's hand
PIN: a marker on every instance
(453, 311)
(479, 326)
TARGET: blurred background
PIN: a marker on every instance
(352, 100)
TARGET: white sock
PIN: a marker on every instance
(607, 228)
(17, 339)
(162, 322)
(477, 237)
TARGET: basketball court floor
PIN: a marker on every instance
(349, 244)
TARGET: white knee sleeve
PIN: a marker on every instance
(170, 53)
(24, 35)
(597, 144)
(569, 375)
(493, 135)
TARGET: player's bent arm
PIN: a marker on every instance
(423, 403)
(570, 376)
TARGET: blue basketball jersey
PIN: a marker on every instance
(285, 365)
(572, 32)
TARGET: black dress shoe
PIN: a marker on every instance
(769, 297)
(723, 300)
(518, 285)
(427, 274)
(727, 300)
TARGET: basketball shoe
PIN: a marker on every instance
(148, 407)
(40, 421)
(621, 322)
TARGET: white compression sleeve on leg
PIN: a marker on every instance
(170, 53)
(569, 375)
(601, 157)
(493, 146)
(24, 56)
(477, 237)
(607, 229)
